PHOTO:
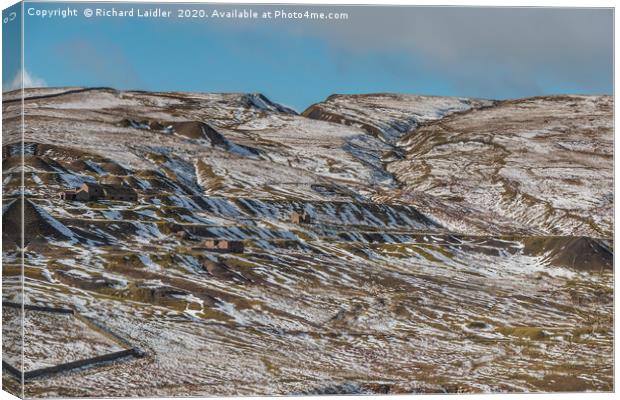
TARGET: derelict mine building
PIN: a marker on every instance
(224, 246)
(99, 191)
(301, 218)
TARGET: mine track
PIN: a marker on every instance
(49, 96)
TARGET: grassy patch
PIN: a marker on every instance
(527, 332)
(94, 204)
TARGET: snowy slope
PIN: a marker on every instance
(543, 163)
(454, 244)
(389, 116)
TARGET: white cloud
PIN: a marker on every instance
(30, 81)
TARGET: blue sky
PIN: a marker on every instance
(493, 53)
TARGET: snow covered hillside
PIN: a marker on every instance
(450, 245)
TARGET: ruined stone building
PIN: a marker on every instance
(98, 191)
(224, 246)
(301, 218)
